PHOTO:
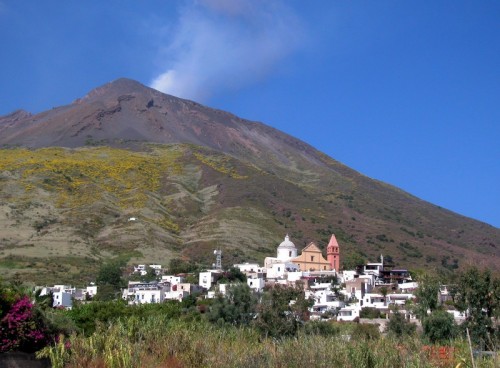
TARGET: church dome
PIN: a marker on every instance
(287, 244)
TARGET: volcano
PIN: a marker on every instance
(199, 178)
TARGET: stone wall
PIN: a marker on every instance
(22, 360)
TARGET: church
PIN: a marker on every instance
(311, 258)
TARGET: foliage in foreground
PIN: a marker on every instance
(160, 341)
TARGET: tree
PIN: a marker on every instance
(109, 280)
(177, 265)
(232, 275)
(369, 312)
(110, 273)
(352, 260)
(399, 326)
(439, 327)
(236, 308)
(384, 291)
(478, 295)
(282, 310)
(427, 296)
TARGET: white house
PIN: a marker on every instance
(373, 269)
(374, 300)
(399, 299)
(172, 279)
(348, 314)
(249, 268)
(181, 290)
(256, 284)
(324, 298)
(208, 278)
(347, 275)
(62, 295)
(157, 269)
(280, 269)
(142, 269)
(62, 298)
(91, 290)
(144, 292)
(408, 286)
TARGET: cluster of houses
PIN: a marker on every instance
(334, 292)
(63, 295)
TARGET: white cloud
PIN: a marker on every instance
(223, 45)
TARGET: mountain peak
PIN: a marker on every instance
(115, 88)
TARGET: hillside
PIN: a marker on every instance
(197, 178)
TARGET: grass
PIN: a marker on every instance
(158, 341)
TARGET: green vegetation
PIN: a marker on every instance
(165, 341)
(370, 313)
(477, 293)
(440, 327)
(237, 308)
(399, 326)
(240, 331)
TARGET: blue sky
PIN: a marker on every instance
(406, 92)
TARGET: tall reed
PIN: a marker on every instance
(158, 341)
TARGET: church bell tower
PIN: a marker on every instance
(333, 254)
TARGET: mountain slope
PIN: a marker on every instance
(198, 178)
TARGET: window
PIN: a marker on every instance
(312, 258)
(289, 253)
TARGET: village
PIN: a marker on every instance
(337, 294)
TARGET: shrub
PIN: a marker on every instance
(22, 328)
(369, 312)
(439, 327)
(399, 326)
(320, 328)
(365, 331)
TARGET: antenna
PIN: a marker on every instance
(218, 259)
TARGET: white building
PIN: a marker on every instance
(408, 286)
(324, 298)
(373, 269)
(144, 292)
(277, 267)
(179, 291)
(157, 269)
(62, 298)
(91, 290)
(209, 278)
(347, 275)
(249, 268)
(256, 284)
(280, 269)
(348, 314)
(172, 279)
(142, 269)
(63, 295)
